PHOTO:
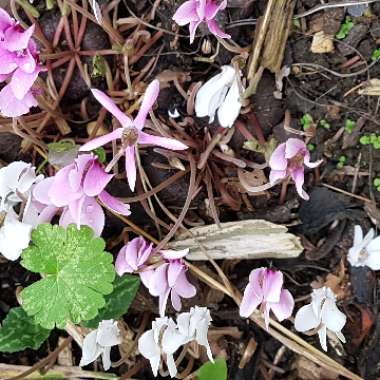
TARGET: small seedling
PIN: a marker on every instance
(349, 126)
(376, 54)
(311, 147)
(341, 162)
(324, 124)
(345, 28)
(371, 139)
(376, 183)
(101, 153)
(306, 121)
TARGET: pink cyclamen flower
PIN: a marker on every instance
(289, 159)
(131, 133)
(265, 288)
(19, 62)
(169, 279)
(74, 188)
(194, 12)
(133, 256)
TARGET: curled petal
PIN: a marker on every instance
(186, 13)
(213, 8)
(192, 29)
(90, 349)
(299, 177)
(278, 160)
(229, 111)
(114, 204)
(272, 285)
(332, 317)
(215, 29)
(250, 301)
(283, 309)
(306, 319)
(17, 40)
(96, 179)
(293, 147)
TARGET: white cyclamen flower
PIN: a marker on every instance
(365, 251)
(220, 94)
(194, 326)
(16, 181)
(99, 342)
(163, 339)
(14, 235)
(322, 314)
(97, 12)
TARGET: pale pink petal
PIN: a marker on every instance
(121, 264)
(114, 204)
(22, 82)
(174, 270)
(299, 177)
(3, 77)
(266, 310)
(27, 62)
(277, 160)
(16, 39)
(145, 251)
(193, 28)
(102, 140)
(41, 191)
(162, 302)
(186, 13)
(111, 107)
(96, 179)
(277, 175)
(309, 164)
(61, 192)
(150, 97)
(256, 278)
(215, 29)
(183, 287)
(75, 208)
(92, 215)
(159, 282)
(212, 8)
(201, 9)
(10, 106)
(250, 301)
(130, 166)
(5, 20)
(131, 253)
(46, 215)
(283, 309)
(176, 300)
(172, 144)
(146, 277)
(7, 62)
(294, 147)
(272, 285)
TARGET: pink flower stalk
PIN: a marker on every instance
(74, 189)
(169, 279)
(265, 288)
(131, 133)
(289, 159)
(194, 12)
(18, 62)
(133, 256)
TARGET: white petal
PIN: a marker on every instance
(340, 336)
(147, 345)
(358, 235)
(230, 109)
(172, 339)
(306, 319)
(14, 236)
(171, 365)
(90, 349)
(211, 95)
(183, 323)
(106, 358)
(322, 337)
(108, 334)
(332, 317)
(373, 250)
(97, 12)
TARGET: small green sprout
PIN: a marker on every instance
(311, 147)
(324, 124)
(99, 66)
(345, 28)
(376, 183)
(341, 162)
(101, 153)
(349, 126)
(376, 54)
(371, 139)
(306, 121)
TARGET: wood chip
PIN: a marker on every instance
(322, 43)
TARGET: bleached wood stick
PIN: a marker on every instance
(248, 239)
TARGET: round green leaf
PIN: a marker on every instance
(19, 332)
(76, 272)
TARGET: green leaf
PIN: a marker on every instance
(375, 54)
(118, 302)
(76, 272)
(345, 28)
(214, 371)
(19, 332)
